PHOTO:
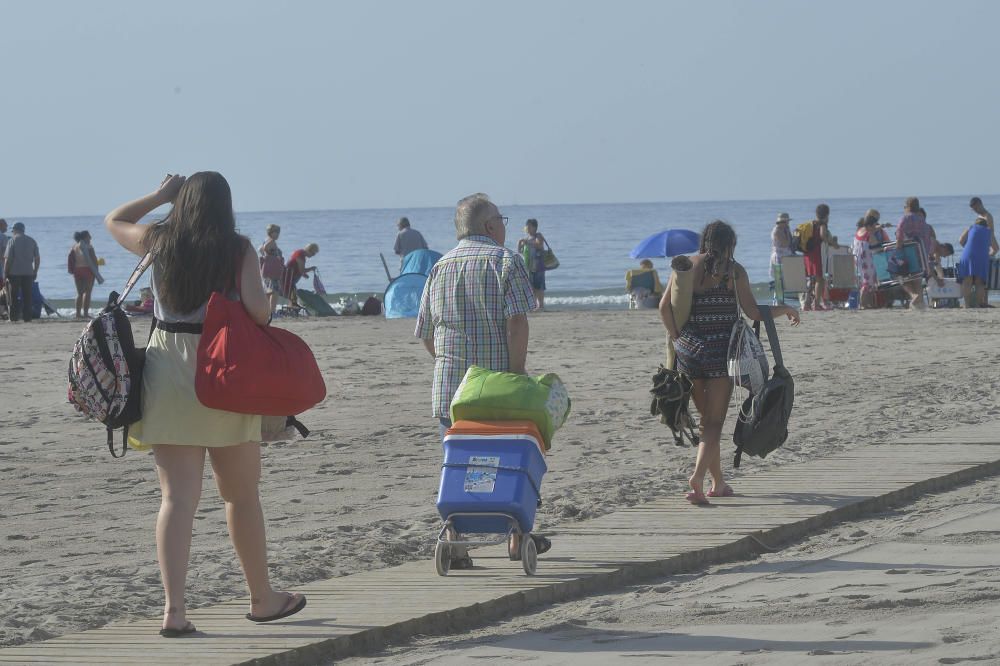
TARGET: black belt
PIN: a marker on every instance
(177, 327)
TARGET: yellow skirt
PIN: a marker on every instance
(171, 413)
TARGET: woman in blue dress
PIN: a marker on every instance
(978, 244)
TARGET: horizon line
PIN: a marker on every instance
(11, 219)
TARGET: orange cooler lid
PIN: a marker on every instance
(497, 428)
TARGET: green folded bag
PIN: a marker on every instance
(486, 395)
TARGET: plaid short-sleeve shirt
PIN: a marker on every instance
(470, 294)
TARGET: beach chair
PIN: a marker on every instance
(790, 278)
(915, 264)
(994, 275)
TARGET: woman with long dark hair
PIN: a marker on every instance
(702, 345)
(197, 251)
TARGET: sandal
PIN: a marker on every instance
(288, 609)
(464, 562)
(727, 491)
(542, 545)
(188, 628)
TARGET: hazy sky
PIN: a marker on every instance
(362, 104)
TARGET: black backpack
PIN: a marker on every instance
(762, 425)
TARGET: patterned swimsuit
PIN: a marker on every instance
(703, 345)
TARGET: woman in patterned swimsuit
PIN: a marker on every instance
(703, 345)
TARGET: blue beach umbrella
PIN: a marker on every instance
(667, 244)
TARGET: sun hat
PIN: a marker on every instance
(782, 217)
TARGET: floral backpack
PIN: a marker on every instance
(105, 370)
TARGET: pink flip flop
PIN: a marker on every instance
(727, 491)
(697, 498)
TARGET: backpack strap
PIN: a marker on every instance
(772, 334)
(144, 263)
(111, 442)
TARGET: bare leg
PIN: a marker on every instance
(272, 298)
(711, 398)
(820, 291)
(80, 286)
(540, 297)
(86, 299)
(179, 469)
(967, 291)
(237, 474)
(916, 293)
(980, 292)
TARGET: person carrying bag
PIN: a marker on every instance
(197, 253)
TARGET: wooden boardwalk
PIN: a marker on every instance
(359, 613)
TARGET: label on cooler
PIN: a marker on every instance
(481, 474)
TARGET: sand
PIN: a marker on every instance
(76, 526)
(917, 585)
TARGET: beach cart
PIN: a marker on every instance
(490, 489)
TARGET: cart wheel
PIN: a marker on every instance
(529, 555)
(442, 558)
(513, 553)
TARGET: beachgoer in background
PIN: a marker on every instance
(643, 285)
(532, 249)
(3, 246)
(272, 264)
(913, 227)
(469, 317)
(295, 269)
(976, 204)
(144, 305)
(407, 240)
(936, 269)
(20, 268)
(83, 266)
(197, 253)
(703, 345)
(877, 235)
(782, 244)
(865, 240)
(811, 241)
(978, 243)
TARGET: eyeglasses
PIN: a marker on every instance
(502, 218)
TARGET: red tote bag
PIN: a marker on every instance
(251, 369)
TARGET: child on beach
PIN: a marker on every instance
(198, 252)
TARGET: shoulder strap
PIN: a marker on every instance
(140, 268)
(772, 333)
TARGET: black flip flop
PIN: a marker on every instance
(285, 612)
(542, 545)
(177, 633)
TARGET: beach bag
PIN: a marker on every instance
(318, 284)
(271, 267)
(671, 401)
(71, 262)
(487, 395)
(250, 369)
(746, 360)
(105, 370)
(762, 425)
(549, 259)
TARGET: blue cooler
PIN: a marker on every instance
(500, 472)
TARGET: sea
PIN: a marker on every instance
(592, 241)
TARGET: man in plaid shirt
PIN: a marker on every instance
(474, 308)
